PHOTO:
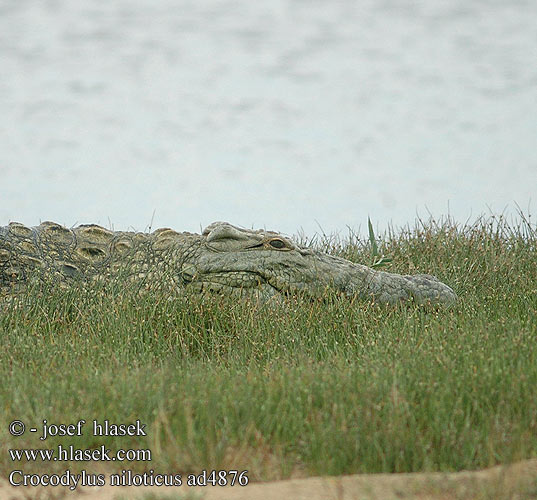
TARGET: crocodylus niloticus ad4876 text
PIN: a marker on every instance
(224, 259)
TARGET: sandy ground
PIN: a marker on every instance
(515, 481)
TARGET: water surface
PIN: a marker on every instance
(285, 114)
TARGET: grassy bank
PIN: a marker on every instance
(306, 388)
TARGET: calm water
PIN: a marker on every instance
(281, 114)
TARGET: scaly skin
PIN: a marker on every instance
(224, 259)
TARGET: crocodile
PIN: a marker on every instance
(224, 258)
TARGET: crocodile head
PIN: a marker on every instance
(233, 259)
(266, 264)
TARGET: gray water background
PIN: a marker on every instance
(284, 114)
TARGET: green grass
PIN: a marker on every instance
(304, 388)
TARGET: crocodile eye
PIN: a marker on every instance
(277, 243)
